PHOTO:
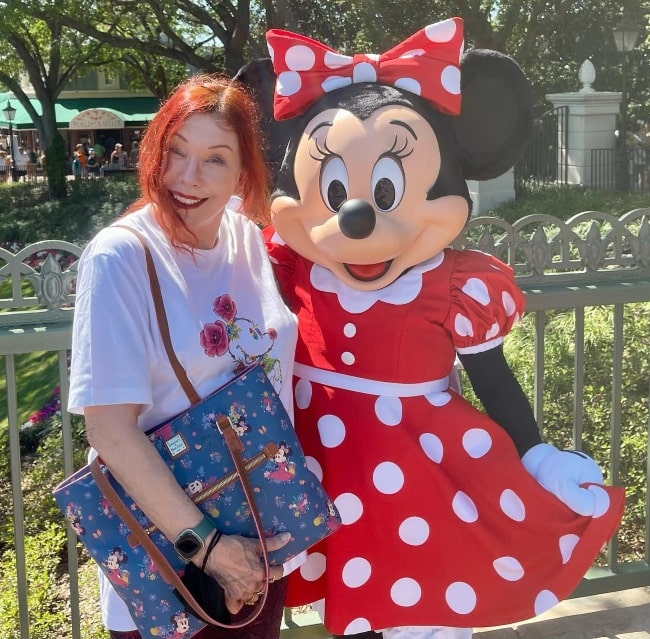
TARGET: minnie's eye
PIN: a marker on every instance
(387, 183)
(334, 182)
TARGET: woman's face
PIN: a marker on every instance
(202, 172)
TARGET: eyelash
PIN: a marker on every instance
(211, 160)
(404, 152)
(325, 152)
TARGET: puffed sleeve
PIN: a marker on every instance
(485, 302)
(283, 259)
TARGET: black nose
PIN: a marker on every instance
(357, 219)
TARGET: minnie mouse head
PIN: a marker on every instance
(374, 177)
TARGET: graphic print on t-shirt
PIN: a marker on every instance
(241, 338)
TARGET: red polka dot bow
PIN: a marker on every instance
(426, 63)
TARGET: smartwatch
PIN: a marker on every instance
(191, 540)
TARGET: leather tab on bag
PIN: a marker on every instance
(228, 432)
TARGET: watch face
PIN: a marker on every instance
(188, 544)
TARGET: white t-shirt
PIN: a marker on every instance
(117, 352)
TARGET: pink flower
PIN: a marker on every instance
(272, 333)
(225, 307)
(214, 339)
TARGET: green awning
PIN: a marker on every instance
(133, 111)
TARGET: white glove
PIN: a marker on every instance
(562, 472)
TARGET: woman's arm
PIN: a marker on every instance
(113, 432)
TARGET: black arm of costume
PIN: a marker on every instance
(502, 397)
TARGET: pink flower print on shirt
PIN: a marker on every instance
(225, 307)
(214, 339)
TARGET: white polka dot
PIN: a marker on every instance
(450, 79)
(356, 572)
(335, 82)
(544, 601)
(477, 442)
(414, 531)
(314, 467)
(512, 506)
(432, 447)
(271, 51)
(389, 410)
(464, 507)
(349, 330)
(331, 430)
(335, 60)
(442, 31)
(302, 393)
(493, 331)
(364, 72)
(413, 53)
(477, 290)
(508, 303)
(461, 598)
(314, 566)
(350, 507)
(463, 326)
(388, 478)
(567, 546)
(602, 500)
(508, 568)
(357, 626)
(348, 358)
(288, 83)
(438, 398)
(406, 592)
(299, 58)
(409, 84)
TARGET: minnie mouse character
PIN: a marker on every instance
(453, 517)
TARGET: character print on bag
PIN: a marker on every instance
(114, 564)
(192, 447)
(285, 470)
(241, 338)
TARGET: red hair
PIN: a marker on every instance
(234, 108)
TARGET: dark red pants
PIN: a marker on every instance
(266, 626)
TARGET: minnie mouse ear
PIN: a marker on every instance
(496, 118)
(258, 76)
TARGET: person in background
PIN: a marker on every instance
(82, 157)
(100, 149)
(200, 151)
(4, 166)
(22, 161)
(118, 158)
(92, 164)
(133, 155)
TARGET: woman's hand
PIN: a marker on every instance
(236, 564)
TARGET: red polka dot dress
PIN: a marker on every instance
(442, 524)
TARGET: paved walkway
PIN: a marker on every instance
(616, 615)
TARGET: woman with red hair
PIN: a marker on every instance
(204, 194)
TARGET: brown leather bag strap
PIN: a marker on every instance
(166, 571)
(161, 317)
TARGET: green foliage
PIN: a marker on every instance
(29, 216)
(565, 201)
(559, 395)
(46, 610)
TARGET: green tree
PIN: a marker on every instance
(34, 42)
